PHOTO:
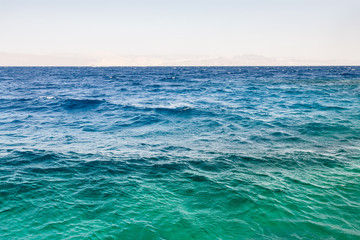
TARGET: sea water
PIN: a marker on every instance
(180, 153)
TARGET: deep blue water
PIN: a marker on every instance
(180, 153)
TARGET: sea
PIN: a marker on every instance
(180, 153)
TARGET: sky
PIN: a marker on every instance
(186, 32)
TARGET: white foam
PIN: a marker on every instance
(47, 97)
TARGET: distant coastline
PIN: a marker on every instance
(77, 60)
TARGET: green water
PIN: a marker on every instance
(178, 200)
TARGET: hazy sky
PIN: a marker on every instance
(297, 29)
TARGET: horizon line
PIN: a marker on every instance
(170, 66)
(144, 66)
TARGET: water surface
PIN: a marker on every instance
(180, 153)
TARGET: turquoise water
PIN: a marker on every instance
(180, 153)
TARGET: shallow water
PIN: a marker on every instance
(180, 153)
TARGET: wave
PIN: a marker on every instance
(174, 110)
(74, 104)
(165, 162)
(316, 106)
(137, 121)
(49, 103)
(166, 109)
(316, 128)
